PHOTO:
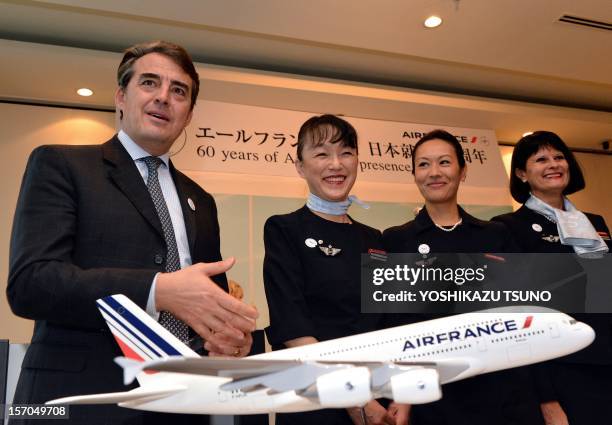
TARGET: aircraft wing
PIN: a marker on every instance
(449, 369)
(285, 375)
(137, 394)
(229, 367)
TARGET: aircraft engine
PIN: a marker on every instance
(345, 387)
(416, 386)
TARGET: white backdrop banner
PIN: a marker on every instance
(231, 138)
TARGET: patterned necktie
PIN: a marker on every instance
(166, 319)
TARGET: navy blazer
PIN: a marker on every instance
(540, 239)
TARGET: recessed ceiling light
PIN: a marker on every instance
(433, 21)
(84, 92)
(528, 133)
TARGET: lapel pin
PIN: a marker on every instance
(377, 254)
(191, 204)
(329, 250)
(536, 227)
(423, 248)
(310, 243)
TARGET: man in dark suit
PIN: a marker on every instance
(87, 226)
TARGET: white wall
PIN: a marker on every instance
(22, 128)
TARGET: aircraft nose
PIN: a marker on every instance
(587, 333)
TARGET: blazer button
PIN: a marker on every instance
(159, 259)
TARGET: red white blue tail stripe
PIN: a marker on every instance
(139, 336)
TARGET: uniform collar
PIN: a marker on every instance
(424, 222)
(135, 151)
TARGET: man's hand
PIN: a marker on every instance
(375, 414)
(224, 322)
(215, 350)
(553, 413)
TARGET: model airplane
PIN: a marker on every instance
(406, 363)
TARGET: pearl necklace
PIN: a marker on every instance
(450, 229)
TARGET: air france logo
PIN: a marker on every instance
(464, 334)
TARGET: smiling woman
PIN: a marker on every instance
(313, 256)
(442, 226)
(439, 168)
(544, 171)
(327, 159)
(547, 172)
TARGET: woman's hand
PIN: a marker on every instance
(399, 412)
(375, 414)
(553, 413)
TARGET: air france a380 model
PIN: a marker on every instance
(406, 363)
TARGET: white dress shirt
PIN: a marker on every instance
(172, 202)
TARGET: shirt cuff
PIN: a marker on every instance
(151, 310)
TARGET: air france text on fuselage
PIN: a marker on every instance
(475, 331)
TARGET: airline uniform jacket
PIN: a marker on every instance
(503, 397)
(536, 234)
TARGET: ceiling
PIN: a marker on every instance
(504, 64)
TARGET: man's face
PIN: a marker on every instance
(156, 103)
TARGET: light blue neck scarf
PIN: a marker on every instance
(573, 226)
(317, 204)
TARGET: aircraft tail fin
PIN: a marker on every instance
(138, 335)
(131, 368)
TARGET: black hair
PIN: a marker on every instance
(326, 128)
(530, 145)
(444, 136)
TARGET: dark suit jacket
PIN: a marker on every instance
(85, 227)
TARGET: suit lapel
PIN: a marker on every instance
(126, 176)
(189, 215)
